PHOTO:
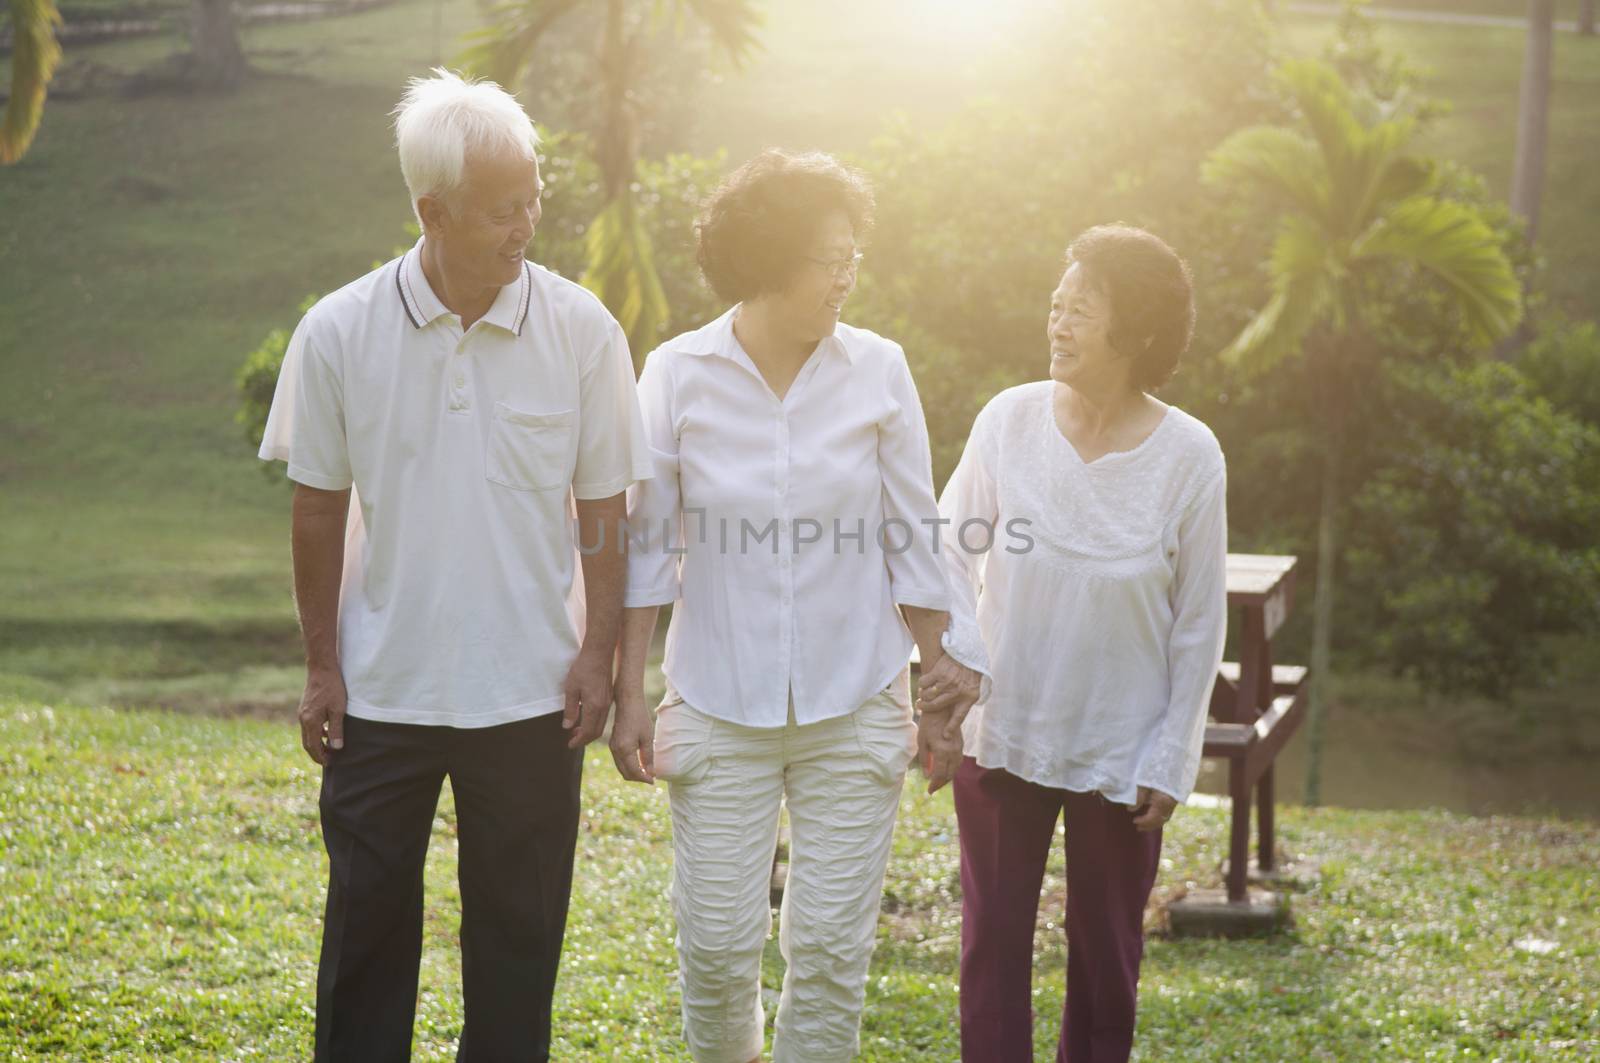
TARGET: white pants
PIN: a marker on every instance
(841, 779)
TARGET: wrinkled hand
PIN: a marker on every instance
(1152, 809)
(322, 714)
(633, 738)
(948, 686)
(937, 752)
(588, 690)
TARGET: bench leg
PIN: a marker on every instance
(1264, 815)
(1239, 841)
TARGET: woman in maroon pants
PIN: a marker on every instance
(1104, 611)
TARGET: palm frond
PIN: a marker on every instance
(503, 47)
(621, 271)
(1303, 288)
(1279, 163)
(1327, 106)
(733, 25)
(1379, 166)
(1451, 241)
(1303, 282)
(1404, 177)
(34, 56)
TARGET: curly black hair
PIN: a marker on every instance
(755, 228)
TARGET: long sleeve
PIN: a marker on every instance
(655, 505)
(905, 461)
(970, 506)
(1170, 760)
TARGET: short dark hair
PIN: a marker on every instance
(1151, 292)
(755, 227)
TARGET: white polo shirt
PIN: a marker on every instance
(458, 606)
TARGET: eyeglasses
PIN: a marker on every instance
(838, 268)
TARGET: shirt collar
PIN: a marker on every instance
(509, 310)
(717, 338)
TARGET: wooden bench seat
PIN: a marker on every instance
(1285, 677)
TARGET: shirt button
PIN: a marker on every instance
(461, 381)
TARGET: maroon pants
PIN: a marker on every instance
(1007, 825)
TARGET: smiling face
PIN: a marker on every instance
(1079, 334)
(481, 231)
(810, 304)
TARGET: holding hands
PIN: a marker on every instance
(633, 738)
(946, 692)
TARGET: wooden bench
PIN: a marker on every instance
(1256, 706)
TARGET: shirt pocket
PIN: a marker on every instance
(529, 451)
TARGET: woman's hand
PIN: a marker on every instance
(948, 686)
(937, 752)
(633, 738)
(1153, 809)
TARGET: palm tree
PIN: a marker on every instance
(620, 266)
(1354, 211)
(35, 53)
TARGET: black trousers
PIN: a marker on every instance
(516, 793)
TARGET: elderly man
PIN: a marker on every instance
(466, 395)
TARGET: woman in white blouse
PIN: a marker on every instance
(1103, 607)
(791, 521)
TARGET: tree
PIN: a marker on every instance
(1533, 115)
(1356, 215)
(1476, 538)
(216, 60)
(1586, 17)
(35, 53)
(620, 261)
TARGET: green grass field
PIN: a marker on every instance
(184, 875)
(161, 873)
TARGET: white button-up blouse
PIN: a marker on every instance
(786, 531)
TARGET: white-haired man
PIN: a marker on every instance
(466, 395)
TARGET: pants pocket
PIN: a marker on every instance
(886, 735)
(683, 742)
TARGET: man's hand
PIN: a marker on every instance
(588, 690)
(633, 738)
(947, 686)
(1152, 809)
(322, 714)
(937, 752)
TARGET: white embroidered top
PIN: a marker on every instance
(1101, 597)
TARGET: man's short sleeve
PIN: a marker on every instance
(305, 427)
(612, 451)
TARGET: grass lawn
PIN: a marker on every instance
(161, 887)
